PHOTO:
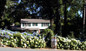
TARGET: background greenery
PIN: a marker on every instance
(64, 15)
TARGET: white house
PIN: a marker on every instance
(35, 24)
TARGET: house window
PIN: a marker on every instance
(35, 24)
(23, 24)
(29, 24)
(44, 24)
(47, 24)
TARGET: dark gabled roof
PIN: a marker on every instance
(35, 21)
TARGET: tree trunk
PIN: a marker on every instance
(2, 7)
(57, 22)
(64, 33)
(84, 16)
(51, 23)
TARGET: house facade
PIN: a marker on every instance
(35, 24)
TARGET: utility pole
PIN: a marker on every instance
(84, 16)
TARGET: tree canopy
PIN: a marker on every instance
(65, 16)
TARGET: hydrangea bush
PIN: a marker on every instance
(24, 39)
(73, 44)
(27, 40)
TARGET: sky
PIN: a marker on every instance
(19, 1)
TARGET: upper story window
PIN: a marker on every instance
(23, 24)
(44, 24)
(35, 24)
(26, 24)
(29, 24)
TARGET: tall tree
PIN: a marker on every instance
(71, 8)
(2, 7)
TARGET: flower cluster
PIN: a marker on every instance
(24, 39)
(73, 44)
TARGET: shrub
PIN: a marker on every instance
(24, 40)
(48, 33)
(73, 44)
(17, 23)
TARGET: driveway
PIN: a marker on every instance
(22, 49)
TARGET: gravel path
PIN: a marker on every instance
(22, 49)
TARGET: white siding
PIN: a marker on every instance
(39, 26)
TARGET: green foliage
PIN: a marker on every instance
(24, 41)
(53, 27)
(48, 34)
(73, 44)
(71, 35)
(17, 23)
